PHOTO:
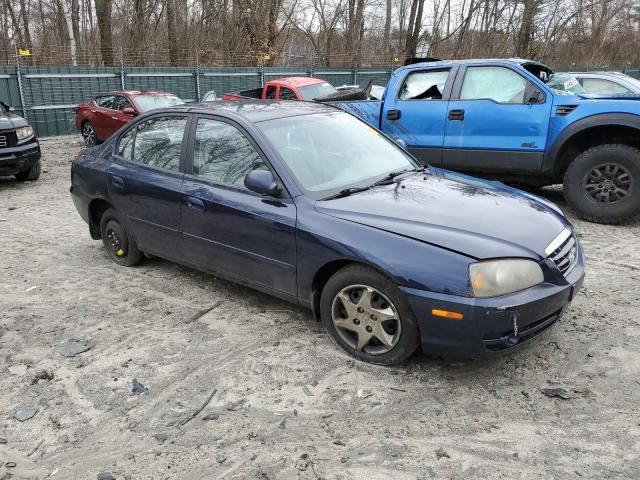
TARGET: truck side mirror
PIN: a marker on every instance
(533, 95)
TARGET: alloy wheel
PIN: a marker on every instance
(89, 135)
(366, 319)
(607, 183)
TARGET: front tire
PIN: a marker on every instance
(603, 184)
(30, 175)
(117, 241)
(368, 316)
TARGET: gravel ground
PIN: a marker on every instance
(287, 402)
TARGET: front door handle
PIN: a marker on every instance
(393, 114)
(456, 114)
(195, 204)
(117, 182)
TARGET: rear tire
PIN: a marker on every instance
(89, 135)
(603, 184)
(30, 175)
(117, 241)
(361, 306)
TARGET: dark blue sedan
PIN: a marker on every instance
(312, 205)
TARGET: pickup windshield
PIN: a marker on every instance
(316, 91)
(149, 102)
(327, 153)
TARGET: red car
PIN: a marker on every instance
(98, 118)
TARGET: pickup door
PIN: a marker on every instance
(497, 121)
(415, 111)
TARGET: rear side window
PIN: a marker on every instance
(105, 101)
(424, 85)
(223, 154)
(271, 91)
(121, 103)
(156, 142)
(499, 84)
(599, 85)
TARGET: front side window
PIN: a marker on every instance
(121, 103)
(499, 84)
(156, 142)
(287, 94)
(599, 85)
(424, 85)
(105, 102)
(329, 152)
(223, 154)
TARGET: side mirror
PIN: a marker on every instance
(128, 111)
(262, 182)
(533, 95)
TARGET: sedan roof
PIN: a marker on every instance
(256, 110)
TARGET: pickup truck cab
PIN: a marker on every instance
(290, 88)
(500, 119)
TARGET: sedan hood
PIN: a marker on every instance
(9, 121)
(478, 218)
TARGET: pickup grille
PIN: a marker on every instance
(563, 110)
(8, 139)
(566, 254)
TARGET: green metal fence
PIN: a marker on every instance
(46, 96)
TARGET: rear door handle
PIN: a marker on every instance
(117, 182)
(115, 118)
(393, 114)
(195, 204)
(456, 114)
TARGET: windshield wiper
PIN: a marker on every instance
(346, 192)
(388, 178)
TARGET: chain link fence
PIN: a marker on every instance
(46, 94)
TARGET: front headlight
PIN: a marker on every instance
(24, 132)
(499, 277)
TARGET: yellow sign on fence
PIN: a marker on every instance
(24, 53)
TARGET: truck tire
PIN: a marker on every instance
(29, 175)
(603, 183)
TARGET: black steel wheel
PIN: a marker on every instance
(117, 241)
(603, 183)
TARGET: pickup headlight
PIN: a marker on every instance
(24, 132)
(499, 277)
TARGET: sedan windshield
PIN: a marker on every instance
(565, 84)
(331, 152)
(149, 102)
(316, 91)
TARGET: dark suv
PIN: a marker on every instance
(19, 147)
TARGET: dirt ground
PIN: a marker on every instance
(288, 403)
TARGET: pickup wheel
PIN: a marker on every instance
(29, 175)
(603, 183)
(117, 241)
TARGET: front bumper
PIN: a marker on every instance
(19, 158)
(491, 325)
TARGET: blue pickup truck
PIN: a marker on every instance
(515, 121)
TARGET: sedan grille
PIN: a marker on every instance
(564, 251)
